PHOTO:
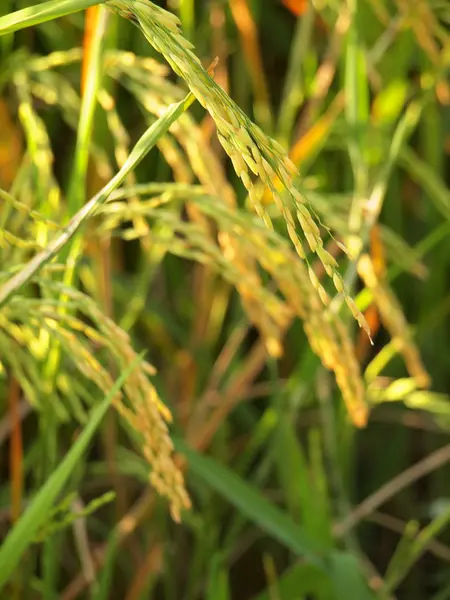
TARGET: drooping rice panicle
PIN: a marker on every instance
(251, 151)
(23, 321)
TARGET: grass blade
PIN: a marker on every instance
(46, 11)
(300, 580)
(252, 504)
(411, 547)
(342, 567)
(348, 581)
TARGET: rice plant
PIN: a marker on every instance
(145, 210)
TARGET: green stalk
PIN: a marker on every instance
(77, 184)
(187, 17)
(6, 44)
(431, 132)
(293, 91)
(357, 116)
(46, 11)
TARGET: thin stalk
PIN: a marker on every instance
(16, 467)
(76, 191)
(187, 17)
(46, 11)
(293, 91)
(330, 428)
(248, 32)
(6, 44)
(357, 114)
(331, 450)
